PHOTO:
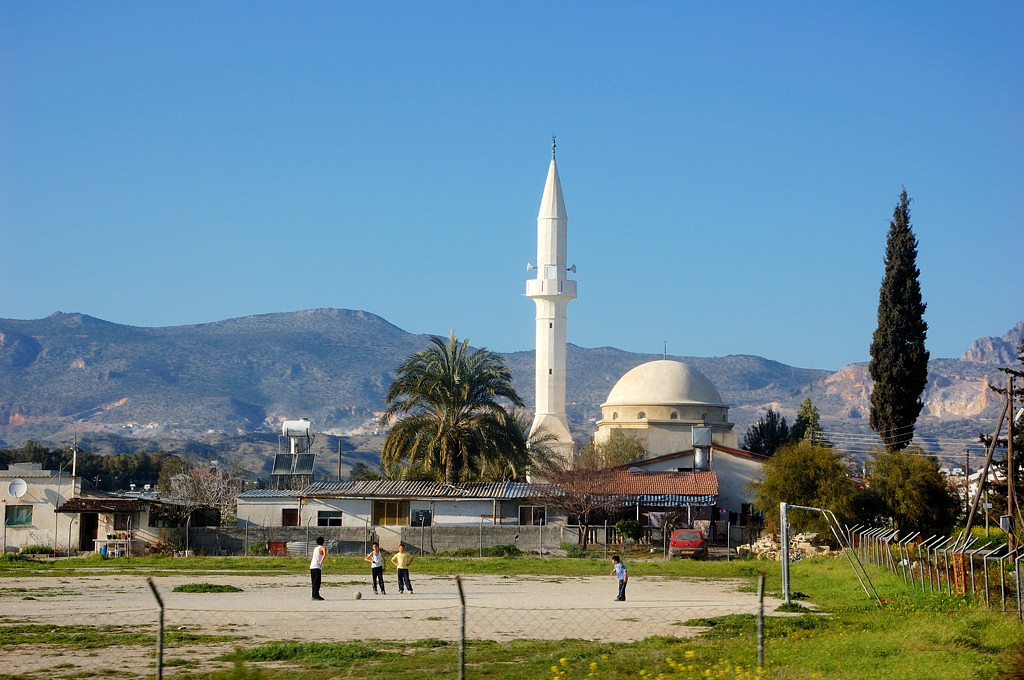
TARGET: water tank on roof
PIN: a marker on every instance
(296, 428)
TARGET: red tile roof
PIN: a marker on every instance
(646, 483)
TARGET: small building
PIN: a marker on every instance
(133, 524)
(429, 514)
(734, 470)
(30, 496)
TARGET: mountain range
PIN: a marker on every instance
(129, 388)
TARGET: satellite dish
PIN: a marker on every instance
(17, 487)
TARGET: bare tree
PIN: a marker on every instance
(576, 488)
(204, 485)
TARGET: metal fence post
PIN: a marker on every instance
(760, 620)
(784, 540)
(1017, 575)
(159, 630)
(462, 629)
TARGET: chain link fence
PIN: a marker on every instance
(139, 629)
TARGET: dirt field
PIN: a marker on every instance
(280, 608)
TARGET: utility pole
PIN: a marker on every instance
(967, 480)
(1011, 501)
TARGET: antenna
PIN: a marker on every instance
(571, 269)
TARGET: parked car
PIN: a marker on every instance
(688, 542)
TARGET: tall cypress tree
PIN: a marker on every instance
(899, 361)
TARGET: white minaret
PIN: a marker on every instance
(552, 291)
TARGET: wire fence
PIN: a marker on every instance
(947, 564)
(149, 627)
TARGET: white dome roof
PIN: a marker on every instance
(664, 382)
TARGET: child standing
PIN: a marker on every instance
(401, 559)
(376, 560)
(619, 571)
(316, 565)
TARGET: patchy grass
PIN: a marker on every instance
(46, 636)
(206, 588)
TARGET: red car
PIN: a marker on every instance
(688, 542)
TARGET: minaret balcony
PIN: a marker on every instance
(551, 288)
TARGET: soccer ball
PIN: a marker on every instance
(357, 595)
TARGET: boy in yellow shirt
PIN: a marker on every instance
(401, 559)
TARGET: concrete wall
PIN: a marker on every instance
(355, 541)
(527, 538)
(235, 540)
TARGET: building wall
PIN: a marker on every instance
(45, 492)
(733, 472)
(660, 437)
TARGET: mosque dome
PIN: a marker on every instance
(664, 382)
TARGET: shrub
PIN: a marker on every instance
(629, 528)
(37, 550)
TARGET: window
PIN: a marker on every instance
(674, 416)
(641, 415)
(391, 513)
(18, 516)
(289, 517)
(615, 416)
(422, 518)
(328, 518)
(122, 521)
(532, 515)
(704, 416)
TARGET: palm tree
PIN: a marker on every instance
(444, 412)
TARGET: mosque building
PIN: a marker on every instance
(659, 403)
(663, 404)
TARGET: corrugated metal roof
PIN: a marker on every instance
(679, 488)
(384, 488)
(269, 493)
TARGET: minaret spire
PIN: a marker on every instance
(551, 291)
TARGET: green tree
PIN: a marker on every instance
(620, 448)
(912, 492)
(767, 434)
(444, 413)
(808, 425)
(802, 474)
(899, 361)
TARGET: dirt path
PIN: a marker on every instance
(277, 607)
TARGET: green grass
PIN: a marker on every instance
(45, 636)
(206, 588)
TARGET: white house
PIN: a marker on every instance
(30, 496)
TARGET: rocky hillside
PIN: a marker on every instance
(241, 377)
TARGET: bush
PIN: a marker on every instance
(574, 550)
(258, 548)
(629, 528)
(38, 550)
(507, 550)
(490, 551)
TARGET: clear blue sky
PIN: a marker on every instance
(729, 169)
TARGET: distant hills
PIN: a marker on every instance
(239, 378)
